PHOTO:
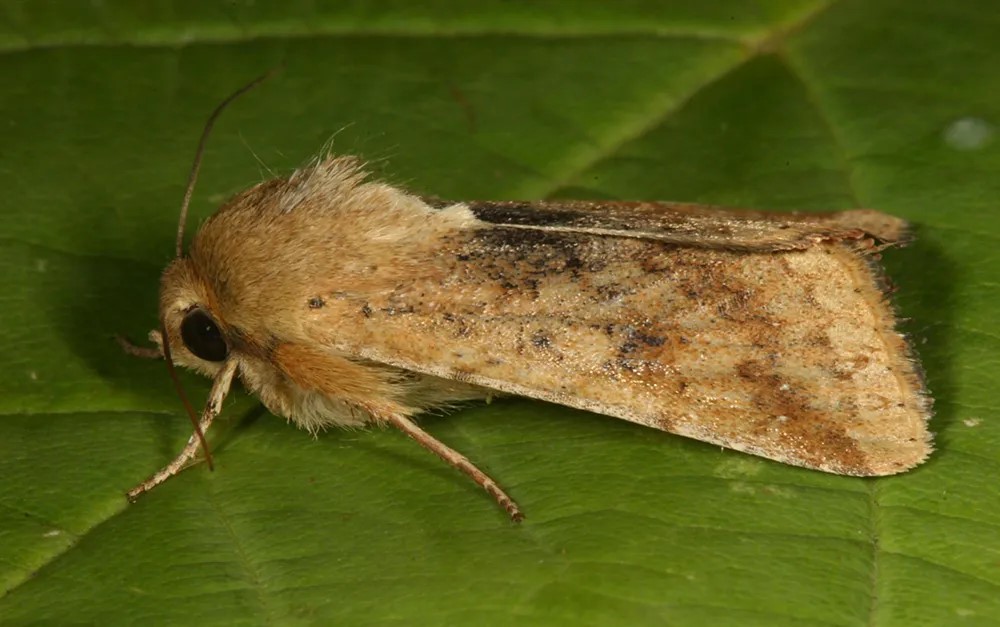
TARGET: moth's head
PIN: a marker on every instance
(195, 330)
(195, 337)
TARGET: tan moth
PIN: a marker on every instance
(342, 301)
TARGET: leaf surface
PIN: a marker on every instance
(781, 104)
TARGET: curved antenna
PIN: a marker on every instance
(196, 166)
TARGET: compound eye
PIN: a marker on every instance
(202, 336)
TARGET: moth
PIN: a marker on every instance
(343, 301)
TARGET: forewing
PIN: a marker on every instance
(789, 355)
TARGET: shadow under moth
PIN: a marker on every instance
(341, 301)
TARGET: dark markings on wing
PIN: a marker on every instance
(690, 224)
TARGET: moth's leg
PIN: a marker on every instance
(146, 352)
(220, 387)
(454, 458)
(174, 467)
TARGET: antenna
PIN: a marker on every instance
(196, 166)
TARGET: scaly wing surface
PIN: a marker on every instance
(772, 337)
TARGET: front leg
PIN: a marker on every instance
(146, 352)
(220, 387)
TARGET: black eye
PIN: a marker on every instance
(202, 336)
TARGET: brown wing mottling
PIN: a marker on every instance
(792, 356)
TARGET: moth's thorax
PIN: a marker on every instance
(273, 249)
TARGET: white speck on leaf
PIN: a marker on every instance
(52, 534)
(971, 422)
(968, 133)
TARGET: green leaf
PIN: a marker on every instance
(890, 104)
